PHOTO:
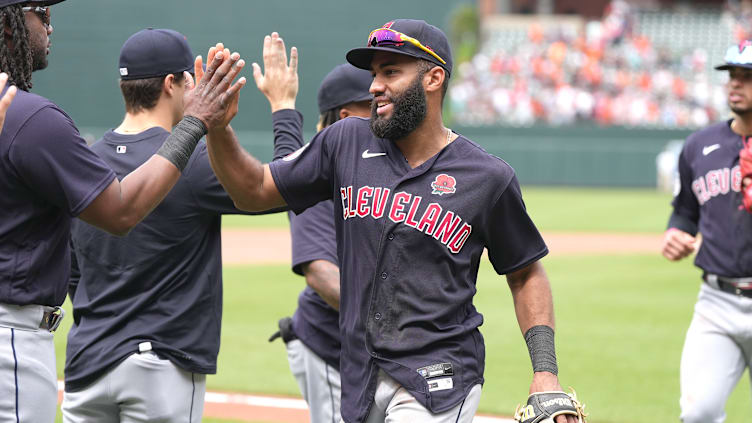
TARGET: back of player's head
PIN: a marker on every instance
(344, 85)
(146, 58)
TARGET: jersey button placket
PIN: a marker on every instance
(384, 275)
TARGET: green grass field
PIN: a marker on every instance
(621, 320)
(557, 209)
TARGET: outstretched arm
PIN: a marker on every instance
(246, 180)
(123, 204)
(534, 307)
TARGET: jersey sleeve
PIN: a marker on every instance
(51, 157)
(686, 212)
(305, 177)
(512, 239)
(313, 236)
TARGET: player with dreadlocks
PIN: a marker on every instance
(18, 57)
(48, 176)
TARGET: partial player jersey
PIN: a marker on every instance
(48, 175)
(315, 322)
(161, 283)
(409, 243)
(710, 195)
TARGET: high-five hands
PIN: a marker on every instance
(279, 82)
(213, 97)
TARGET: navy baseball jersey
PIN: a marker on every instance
(710, 196)
(161, 283)
(48, 175)
(409, 243)
(315, 322)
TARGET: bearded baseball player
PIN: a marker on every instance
(312, 335)
(415, 206)
(48, 176)
(715, 199)
(147, 307)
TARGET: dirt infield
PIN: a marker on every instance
(272, 246)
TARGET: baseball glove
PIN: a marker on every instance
(745, 165)
(543, 407)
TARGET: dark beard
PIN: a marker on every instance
(409, 110)
(38, 58)
(741, 112)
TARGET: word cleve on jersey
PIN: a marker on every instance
(446, 226)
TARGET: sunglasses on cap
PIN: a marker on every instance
(388, 37)
(42, 11)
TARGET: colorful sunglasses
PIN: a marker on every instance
(388, 37)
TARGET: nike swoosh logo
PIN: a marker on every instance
(709, 149)
(367, 155)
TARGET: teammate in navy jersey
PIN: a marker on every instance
(718, 345)
(147, 307)
(415, 206)
(48, 176)
(313, 342)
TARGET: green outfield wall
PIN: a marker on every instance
(574, 156)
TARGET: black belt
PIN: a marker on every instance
(736, 286)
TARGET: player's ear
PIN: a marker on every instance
(343, 113)
(434, 79)
(168, 84)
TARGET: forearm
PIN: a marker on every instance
(323, 277)
(240, 174)
(533, 302)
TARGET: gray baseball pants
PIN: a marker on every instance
(319, 382)
(394, 404)
(142, 388)
(28, 379)
(717, 349)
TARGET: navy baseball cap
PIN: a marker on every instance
(410, 37)
(343, 85)
(150, 53)
(4, 3)
(738, 56)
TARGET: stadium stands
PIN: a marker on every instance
(631, 68)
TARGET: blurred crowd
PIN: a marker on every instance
(604, 73)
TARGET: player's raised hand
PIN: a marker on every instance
(198, 64)
(214, 98)
(6, 99)
(279, 82)
(677, 244)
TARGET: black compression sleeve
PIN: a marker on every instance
(179, 146)
(288, 132)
